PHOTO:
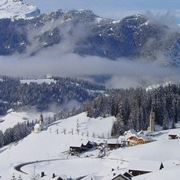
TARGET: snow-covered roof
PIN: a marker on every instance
(78, 143)
(121, 138)
(130, 132)
(144, 165)
(173, 133)
(38, 81)
(133, 133)
(37, 126)
(113, 141)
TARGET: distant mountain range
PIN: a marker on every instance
(135, 36)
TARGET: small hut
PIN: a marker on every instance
(82, 147)
(173, 136)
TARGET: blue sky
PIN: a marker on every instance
(110, 7)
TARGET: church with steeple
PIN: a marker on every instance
(152, 119)
(40, 125)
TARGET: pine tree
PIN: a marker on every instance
(20, 178)
(1, 139)
(13, 177)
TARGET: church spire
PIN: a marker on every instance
(152, 119)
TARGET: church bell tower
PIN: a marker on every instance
(152, 119)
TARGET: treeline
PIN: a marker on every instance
(21, 130)
(14, 94)
(16, 133)
(132, 107)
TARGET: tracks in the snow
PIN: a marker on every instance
(20, 166)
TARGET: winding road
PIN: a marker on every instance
(20, 166)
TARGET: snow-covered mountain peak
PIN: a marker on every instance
(17, 9)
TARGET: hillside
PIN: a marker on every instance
(46, 93)
(12, 118)
(85, 33)
(132, 107)
(47, 151)
(54, 144)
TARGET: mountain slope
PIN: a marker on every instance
(85, 33)
(54, 144)
(44, 93)
(16, 9)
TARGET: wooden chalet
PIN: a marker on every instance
(82, 148)
(112, 144)
(135, 140)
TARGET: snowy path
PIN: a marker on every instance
(20, 166)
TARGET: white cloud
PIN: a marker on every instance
(59, 60)
(125, 72)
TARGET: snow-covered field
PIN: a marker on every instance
(54, 143)
(38, 81)
(75, 167)
(51, 146)
(99, 127)
(12, 118)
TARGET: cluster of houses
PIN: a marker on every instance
(130, 138)
(39, 126)
(134, 169)
(82, 147)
